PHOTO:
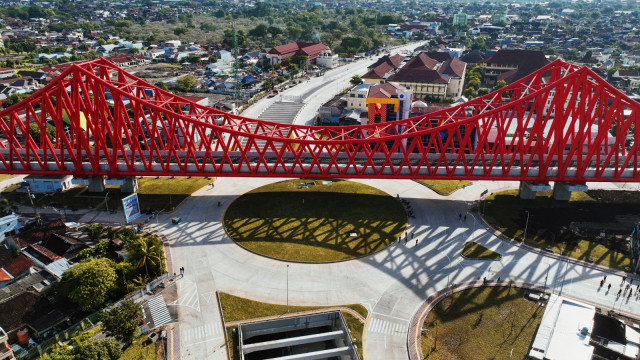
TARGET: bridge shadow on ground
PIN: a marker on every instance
(426, 268)
(314, 226)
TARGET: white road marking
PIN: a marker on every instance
(387, 327)
(159, 311)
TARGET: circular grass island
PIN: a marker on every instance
(315, 221)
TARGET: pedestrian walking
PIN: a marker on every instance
(627, 288)
(601, 283)
(413, 234)
(608, 287)
(416, 242)
(629, 297)
(218, 203)
(619, 292)
(465, 217)
(405, 241)
(459, 216)
(605, 278)
(637, 289)
(624, 278)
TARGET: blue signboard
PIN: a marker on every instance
(131, 208)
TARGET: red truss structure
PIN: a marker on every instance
(561, 123)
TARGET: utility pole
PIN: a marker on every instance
(35, 210)
(236, 89)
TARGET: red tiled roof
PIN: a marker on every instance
(440, 56)
(4, 276)
(378, 72)
(39, 233)
(453, 67)
(421, 60)
(418, 75)
(526, 61)
(18, 310)
(48, 254)
(18, 265)
(395, 61)
(6, 69)
(313, 50)
(386, 90)
(285, 49)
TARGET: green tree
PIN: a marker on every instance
(95, 231)
(147, 253)
(187, 82)
(87, 283)
(499, 84)
(162, 86)
(107, 349)
(355, 80)
(259, 31)
(180, 31)
(122, 321)
(14, 99)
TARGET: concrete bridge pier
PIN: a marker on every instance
(97, 184)
(528, 190)
(562, 191)
(129, 184)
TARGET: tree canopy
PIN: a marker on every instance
(87, 283)
(121, 322)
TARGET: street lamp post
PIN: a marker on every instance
(106, 201)
(474, 223)
(524, 237)
(287, 288)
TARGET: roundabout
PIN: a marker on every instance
(393, 283)
(315, 221)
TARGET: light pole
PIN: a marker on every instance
(106, 201)
(287, 288)
(483, 197)
(474, 222)
(524, 237)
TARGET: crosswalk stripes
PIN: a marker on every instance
(198, 333)
(159, 311)
(387, 327)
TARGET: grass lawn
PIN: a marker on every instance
(482, 323)
(138, 351)
(445, 187)
(6, 176)
(474, 250)
(152, 193)
(316, 223)
(237, 308)
(550, 221)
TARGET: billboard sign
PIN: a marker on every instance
(131, 207)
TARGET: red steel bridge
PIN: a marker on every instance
(561, 123)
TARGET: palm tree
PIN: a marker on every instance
(146, 253)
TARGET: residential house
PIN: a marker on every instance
(7, 73)
(327, 59)
(357, 97)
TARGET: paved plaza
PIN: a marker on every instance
(392, 284)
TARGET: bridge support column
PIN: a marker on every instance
(562, 191)
(129, 184)
(528, 190)
(97, 184)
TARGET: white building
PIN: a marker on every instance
(327, 59)
(357, 97)
(47, 184)
(564, 331)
